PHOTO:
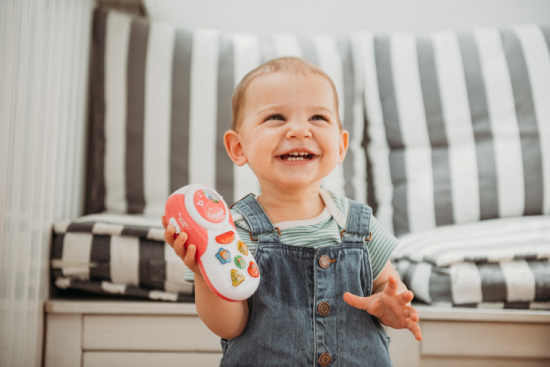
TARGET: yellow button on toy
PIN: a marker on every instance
(242, 248)
(236, 277)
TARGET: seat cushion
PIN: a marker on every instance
(118, 254)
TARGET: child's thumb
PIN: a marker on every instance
(356, 301)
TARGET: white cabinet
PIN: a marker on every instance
(142, 333)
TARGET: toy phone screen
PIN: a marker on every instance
(209, 205)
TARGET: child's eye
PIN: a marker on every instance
(275, 117)
(319, 117)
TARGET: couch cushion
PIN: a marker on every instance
(162, 102)
(493, 241)
(118, 254)
(458, 125)
(521, 284)
(494, 263)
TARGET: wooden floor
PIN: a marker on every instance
(140, 333)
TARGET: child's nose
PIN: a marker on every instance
(298, 130)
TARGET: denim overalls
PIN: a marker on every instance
(298, 316)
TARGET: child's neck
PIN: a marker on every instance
(294, 205)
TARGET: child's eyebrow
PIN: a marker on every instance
(267, 108)
(278, 106)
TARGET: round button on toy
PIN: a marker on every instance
(221, 255)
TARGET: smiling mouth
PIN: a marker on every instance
(295, 156)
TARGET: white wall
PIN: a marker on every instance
(339, 16)
(44, 48)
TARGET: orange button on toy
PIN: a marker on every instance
(225, 238)
(253, 270)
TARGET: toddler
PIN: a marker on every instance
(327, 283)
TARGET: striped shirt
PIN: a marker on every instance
(323, 230)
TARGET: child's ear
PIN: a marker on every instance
(232, 142)
(344, 141)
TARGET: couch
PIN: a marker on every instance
(449, 143)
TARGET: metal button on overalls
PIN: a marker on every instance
(324, 261)
(323, 308)
(325, 359)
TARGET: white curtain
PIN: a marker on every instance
(44, 51)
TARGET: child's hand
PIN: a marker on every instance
(187, 255)
(390, 308)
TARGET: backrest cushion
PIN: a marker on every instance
(161, 103)
(458, 125)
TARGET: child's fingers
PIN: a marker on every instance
(391, 287)
(169, 235)
(179, 245)
(410, 312)
(189, 259)
(362, 303)
(164, 223)
(405, 297)
(415, 329)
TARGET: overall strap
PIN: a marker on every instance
(358, 222)
(254, 215)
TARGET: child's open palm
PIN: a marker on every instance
(390, 308)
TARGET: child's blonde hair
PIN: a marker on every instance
(282, 64)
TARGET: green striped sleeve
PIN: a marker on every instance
(380, 247)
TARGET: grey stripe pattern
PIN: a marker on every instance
(308, 50)
(101, 255)
(528, 127)
(152, 265)
(226, 81)
(436, 130)
(485, 151)
(95, 170)
(179, 129)
(349, 116)
(393, 132)
(493, 285)
(267, 49)
(137, 53)
(440, 285)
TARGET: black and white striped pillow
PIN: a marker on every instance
(124, 254)
(459, 125)
(162, 102)
(509, 284)
(495, 240)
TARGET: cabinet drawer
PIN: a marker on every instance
(148, 333)
(135, 359)
(485, 339)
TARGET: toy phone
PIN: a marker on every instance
(225, 261)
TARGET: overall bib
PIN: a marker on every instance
(298, 316)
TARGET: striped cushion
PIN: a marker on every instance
(509, 284)
(162, 103)
(495, 263)
(122, 254)
(494, 240)
(459, 125)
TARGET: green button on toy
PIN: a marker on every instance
(240, 262)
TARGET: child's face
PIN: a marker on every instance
(289, 134)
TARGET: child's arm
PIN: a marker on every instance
(224, 318)
(390, 302)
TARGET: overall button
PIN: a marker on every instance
(323, 308)
(324, 261)
(325, 359)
